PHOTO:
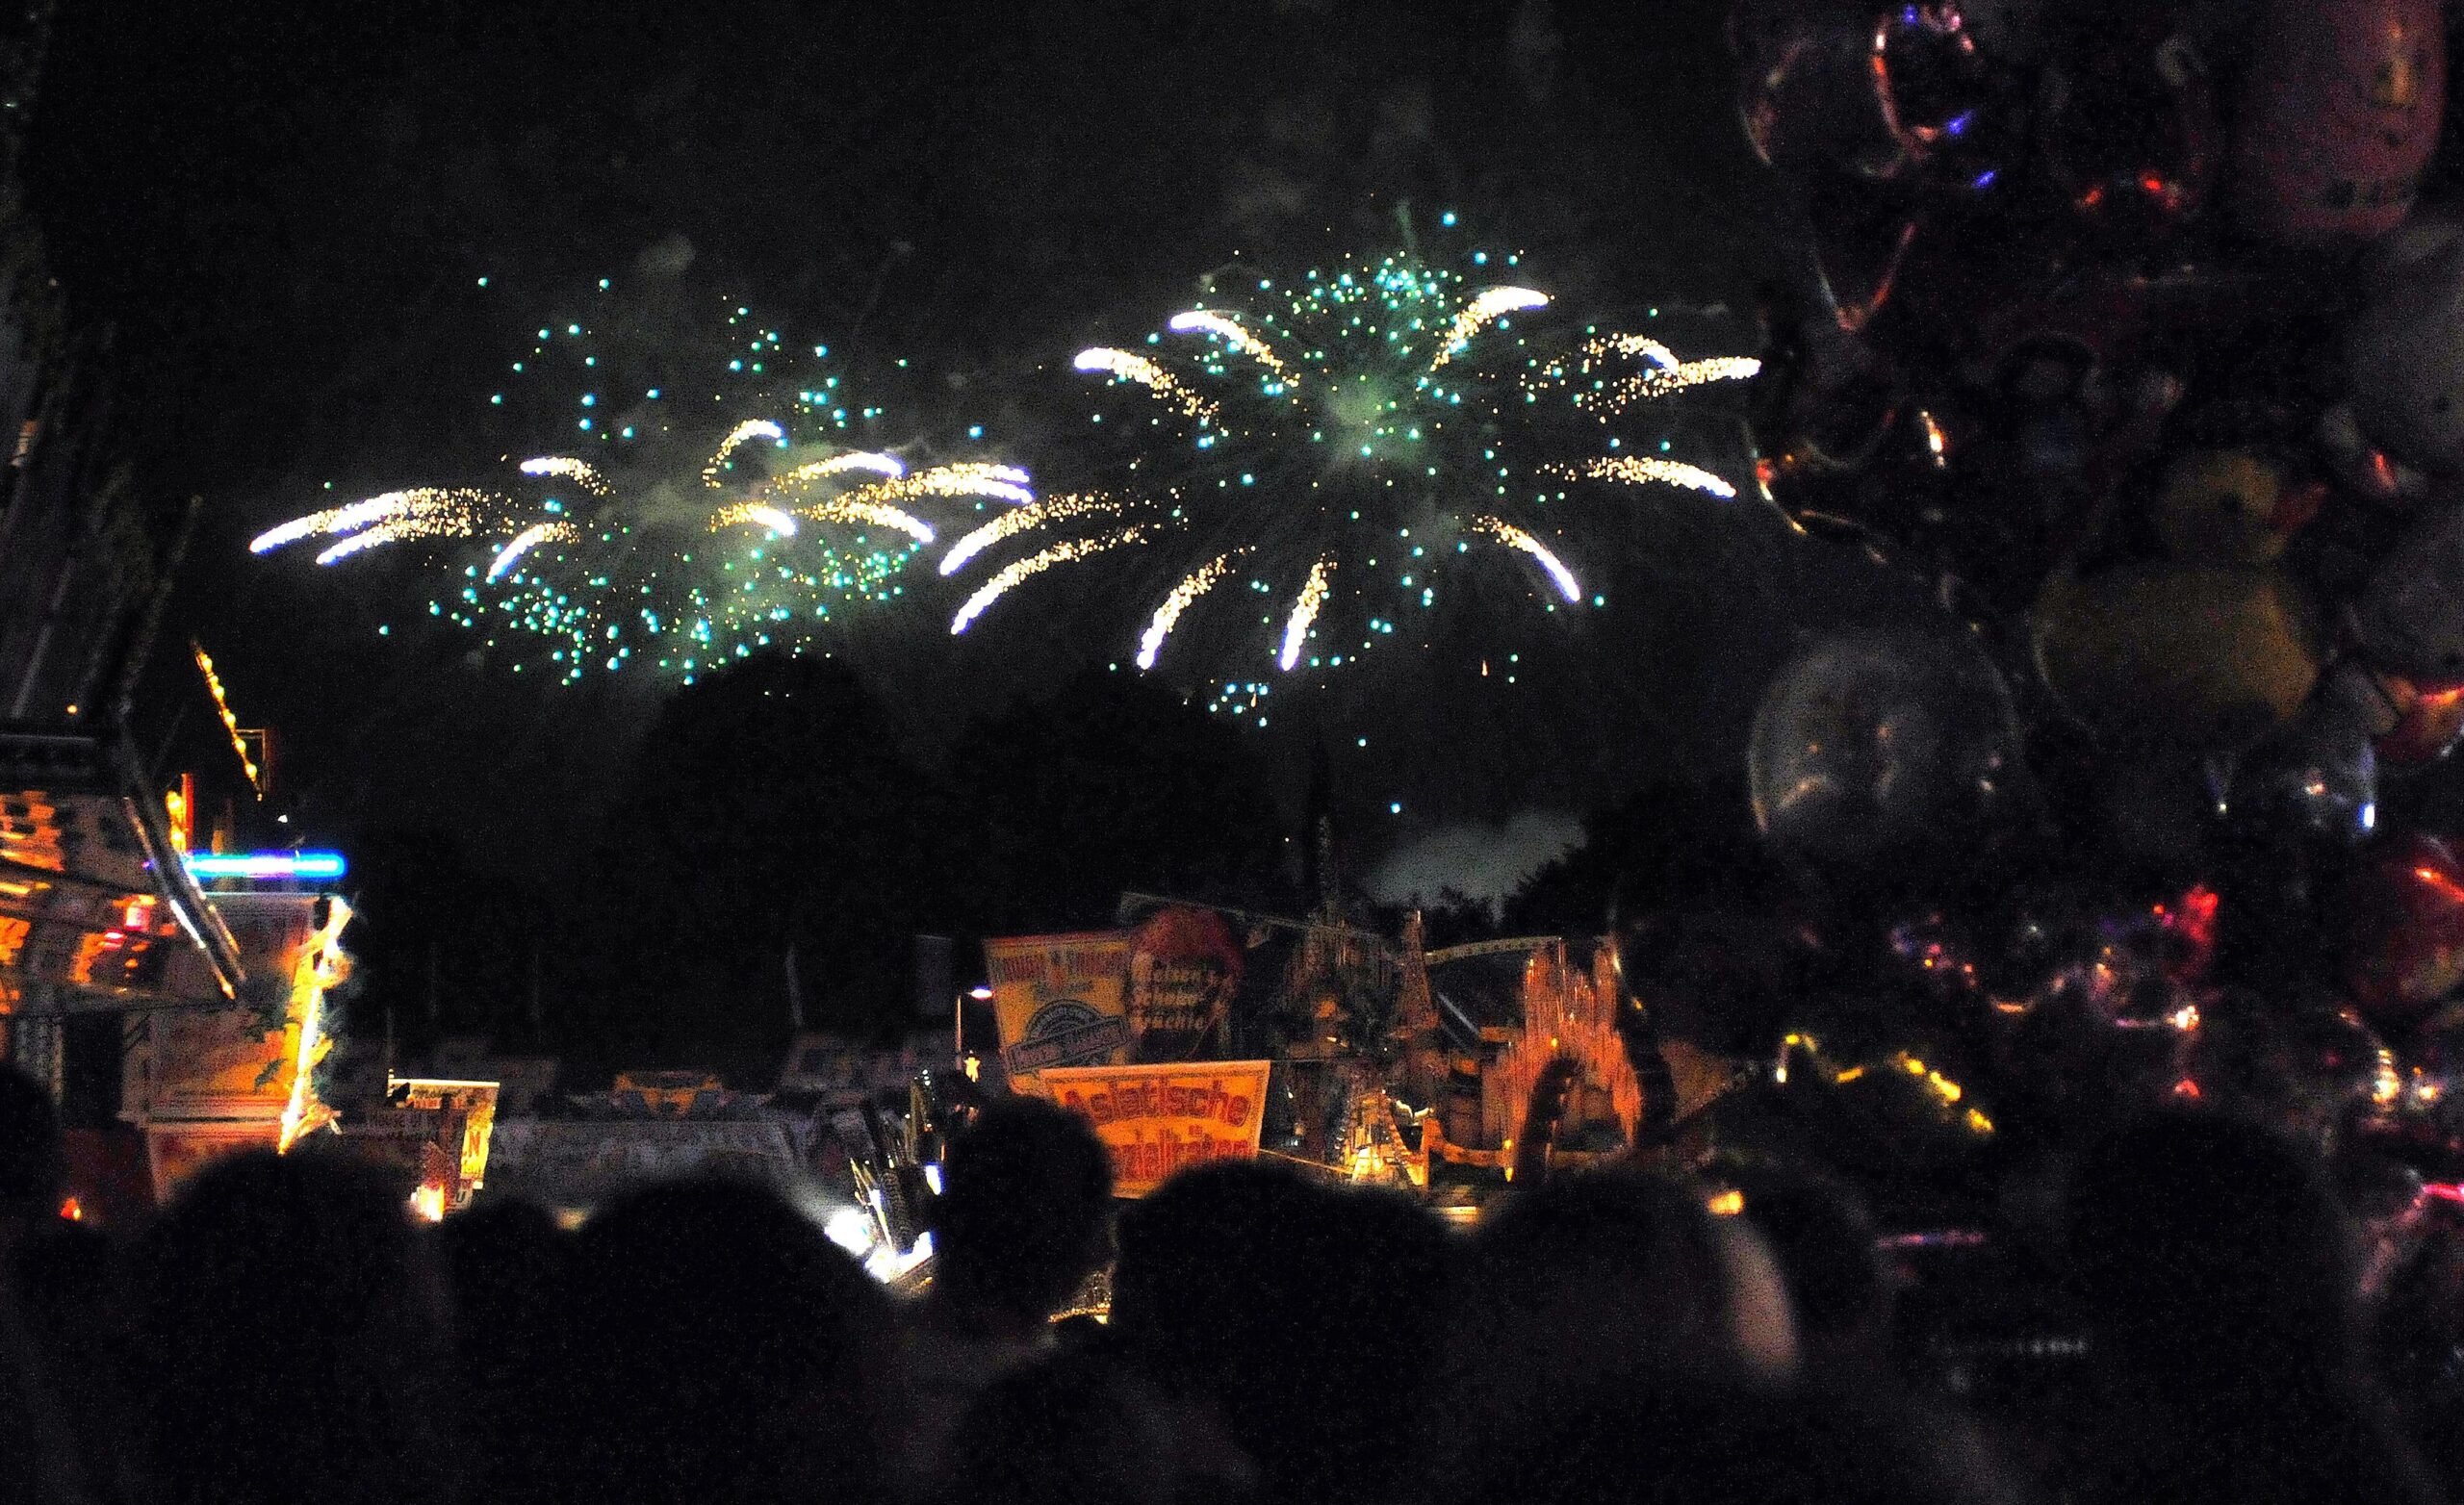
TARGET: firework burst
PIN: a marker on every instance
(712, 493)
(1349, 442)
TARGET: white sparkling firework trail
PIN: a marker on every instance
(880, 514)
(1628, 347)
(771, 518)
(337, 519)
(376, 537)
(1513, 537)
(750, 428)
(972, 478)
(579, 471)
(1128, 367)
(1231, 333)
(1632, 469)
(1069, 552)
(840, 465)
(1491, 305)
(1645, 385)
(1304, 610)
(1197, 583)
(524, 542)
(1026, 520)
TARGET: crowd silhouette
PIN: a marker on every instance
(285, 1334)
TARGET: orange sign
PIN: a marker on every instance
(1058, 1000)
(1160, 1119)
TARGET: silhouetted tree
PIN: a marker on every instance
(768, 807)
(1113, 784)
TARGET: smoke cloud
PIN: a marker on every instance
(1479, 860)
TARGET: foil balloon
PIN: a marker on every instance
(2230, 507)
(2128, 127)
(1870, 748)
(1808, 101)
(2339, 111)
(1941, 97)
(2175, 652)
(2400, 925)
(2410, 723)
(2409, 619)
(2428, 724)
(2308, 1062)
(2434, 1084)
(2008, 31)
(2314, 781)
(2404, 357)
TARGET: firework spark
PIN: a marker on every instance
(1197, 583)
(877, 514)
(742, 434)
(1513, 537)
(1490, 306)
(1637, 470)
(1027, 519)
(1304, 611)
(578, 472)
(1230, 332)
(524, 542)
(842, 464)
(1068, 551)
(418, 512)
(1126, 366)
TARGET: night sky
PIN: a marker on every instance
(285, 210)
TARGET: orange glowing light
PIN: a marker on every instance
(72, 1209)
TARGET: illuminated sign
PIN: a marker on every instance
(1157, 1120)
(267, 866)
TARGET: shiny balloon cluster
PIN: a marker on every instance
(2175, 416)
(2136, 335)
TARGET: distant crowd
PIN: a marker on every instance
(284, 1334)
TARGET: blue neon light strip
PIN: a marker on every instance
(267, 866)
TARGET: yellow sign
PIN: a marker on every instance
(1060, 1001)
(1160, 1119)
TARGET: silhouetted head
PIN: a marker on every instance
(2202, 1245)
(1823, 1240)
(1724, 1446)
(291, 1338)
(32, 1169)
(1614, 1278)
(719, 1348)
(1069, 1428)
(1025, 1209)
(1282, 1304)
(508, 1267)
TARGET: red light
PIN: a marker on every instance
(72, 1209)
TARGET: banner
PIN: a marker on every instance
(1183, 968)
(585, 1162)
(1058, 1000)
(1160, 1119)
